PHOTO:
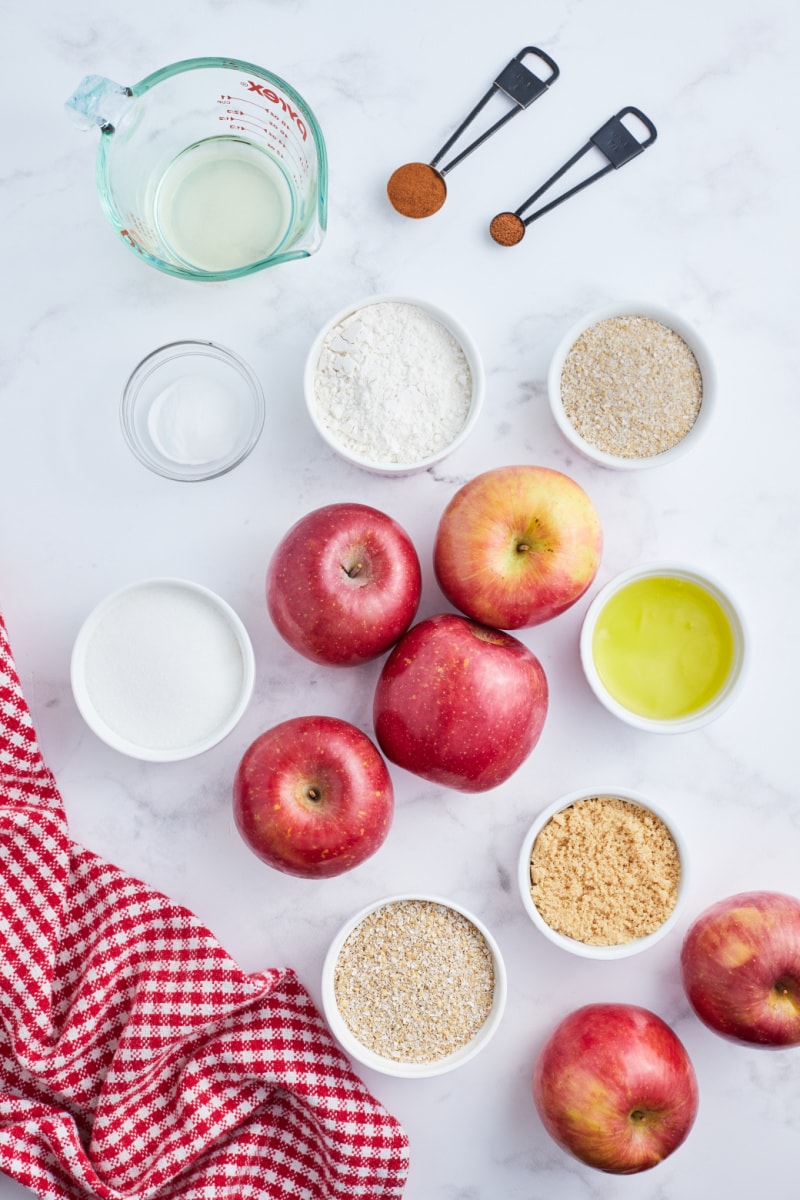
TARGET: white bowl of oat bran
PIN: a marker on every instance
(632, 385)
(602, 873)
(413, 986)
(393, 384)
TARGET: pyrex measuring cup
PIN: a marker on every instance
(210, 168)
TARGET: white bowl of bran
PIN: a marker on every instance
(413, 986)
(602, 873)
(632, 385)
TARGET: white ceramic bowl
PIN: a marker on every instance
(388, 1066)
(730, 688)
(584, 950)
(192, 411)
(692, 339)
(162, 670)
(329, 434)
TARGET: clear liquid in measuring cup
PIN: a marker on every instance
(223, 204)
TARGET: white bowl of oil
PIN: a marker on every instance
(664, 647)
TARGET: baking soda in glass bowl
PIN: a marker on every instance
(192, 411)
(393, 384)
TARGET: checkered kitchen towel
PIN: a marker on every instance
(136, 1058)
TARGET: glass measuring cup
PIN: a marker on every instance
(210, 168)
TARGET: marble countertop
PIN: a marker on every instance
(701, 224)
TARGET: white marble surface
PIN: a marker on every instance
(705, 223)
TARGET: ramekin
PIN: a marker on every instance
(411, 1070)
(572, 945)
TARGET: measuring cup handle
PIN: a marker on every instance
(97, 101)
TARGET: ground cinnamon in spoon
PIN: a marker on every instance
(507, 229)
(416, 190)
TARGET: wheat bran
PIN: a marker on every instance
(414, 981)
(605, 871)
(630, 386)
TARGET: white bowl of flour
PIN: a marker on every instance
(162, 670)
(394, 384)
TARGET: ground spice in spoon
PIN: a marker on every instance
(416, 190)
(507, 229)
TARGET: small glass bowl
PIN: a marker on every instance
(115, 669)
(388, 1066)
(733, 681)
(672, 321)
(192, 411)
(474, 362)
(572, 945)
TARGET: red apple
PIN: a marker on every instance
(459, 703)
(517, 545)
(615, 1087)
(740, 964)
(343, 584)
(312, 797)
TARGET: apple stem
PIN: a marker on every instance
(638, 1115)
(354, 571)
(313, 794)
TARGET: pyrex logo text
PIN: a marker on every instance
(268, 94)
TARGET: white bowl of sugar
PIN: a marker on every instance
(162, 670)
(394, 384)
(632, 385)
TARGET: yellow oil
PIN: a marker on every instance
(663, 647)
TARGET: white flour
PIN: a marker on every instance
(392, 384)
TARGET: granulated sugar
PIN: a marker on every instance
(631, 387)
(163, 668)
(392, 384)
(414, 981)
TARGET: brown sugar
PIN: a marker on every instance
(417, 190)
(605, 871)
(507, 229)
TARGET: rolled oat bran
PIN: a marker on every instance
(605, 871)
(630, 386)
(414, 981)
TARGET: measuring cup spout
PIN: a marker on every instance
(97, 102)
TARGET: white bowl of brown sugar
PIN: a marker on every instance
(602, 873)
(413, 986)
(632, 385)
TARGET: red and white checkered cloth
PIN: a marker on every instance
(136, 1058)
